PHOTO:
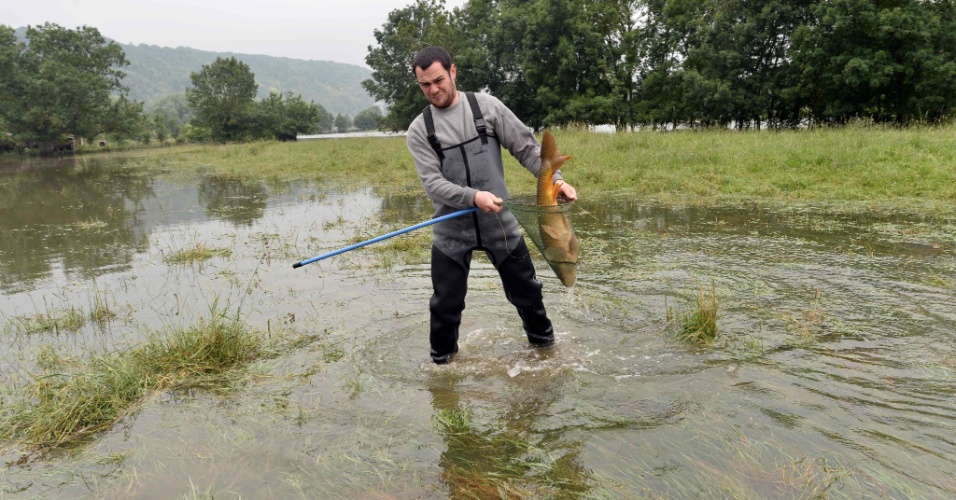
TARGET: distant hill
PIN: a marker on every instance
(156, 71)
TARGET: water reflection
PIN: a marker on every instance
(83, 217)
(406, 208)
(517, 456)
(234, 199)
(78, 214)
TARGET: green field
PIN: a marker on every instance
(854, 168)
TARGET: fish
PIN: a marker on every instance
(560, 245)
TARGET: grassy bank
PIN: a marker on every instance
(854, 167)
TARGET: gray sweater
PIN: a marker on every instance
(455, 125)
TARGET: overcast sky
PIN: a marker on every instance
(325, 30)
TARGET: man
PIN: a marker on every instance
(456, 145)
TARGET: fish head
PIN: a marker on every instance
(567, 272)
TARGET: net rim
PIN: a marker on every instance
(528, 204)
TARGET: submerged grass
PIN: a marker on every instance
(69, 319)
(60, 319)
(857, 167)
(68, 400)
(199, 252)
(810, 322)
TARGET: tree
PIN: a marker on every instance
(59, 83)
(302, 117)
(493, 58)
(617, 22)
(368, 118)
(342, 123)
(327, 122)
(169, 114)
(10, 51)
(739, 60)
(125, 119)
(565, 56)
(892, 61)
(223, 97)
(284, 117)
(426, 22)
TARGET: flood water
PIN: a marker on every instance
(834, 373)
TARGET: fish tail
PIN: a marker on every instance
(547, 195)
(549, 146)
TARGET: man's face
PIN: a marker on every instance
(438, 84)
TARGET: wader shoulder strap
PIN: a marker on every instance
(479, 119)
(430, 129)
(475, 111)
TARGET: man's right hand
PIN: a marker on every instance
(488, 202)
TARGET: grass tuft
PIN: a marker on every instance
(59, 406)
(699, 324)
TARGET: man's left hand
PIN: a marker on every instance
(566, 193)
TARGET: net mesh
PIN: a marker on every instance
(531, 216)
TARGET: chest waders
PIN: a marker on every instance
(477, 163)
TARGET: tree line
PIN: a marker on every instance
(695, 63)
(63, 84)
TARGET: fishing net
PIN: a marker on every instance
(549, 228)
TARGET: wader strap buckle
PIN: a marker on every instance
(430, 128)
(479, 118)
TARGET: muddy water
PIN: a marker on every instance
(834, 373)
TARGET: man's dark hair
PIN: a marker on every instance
(427, 56)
